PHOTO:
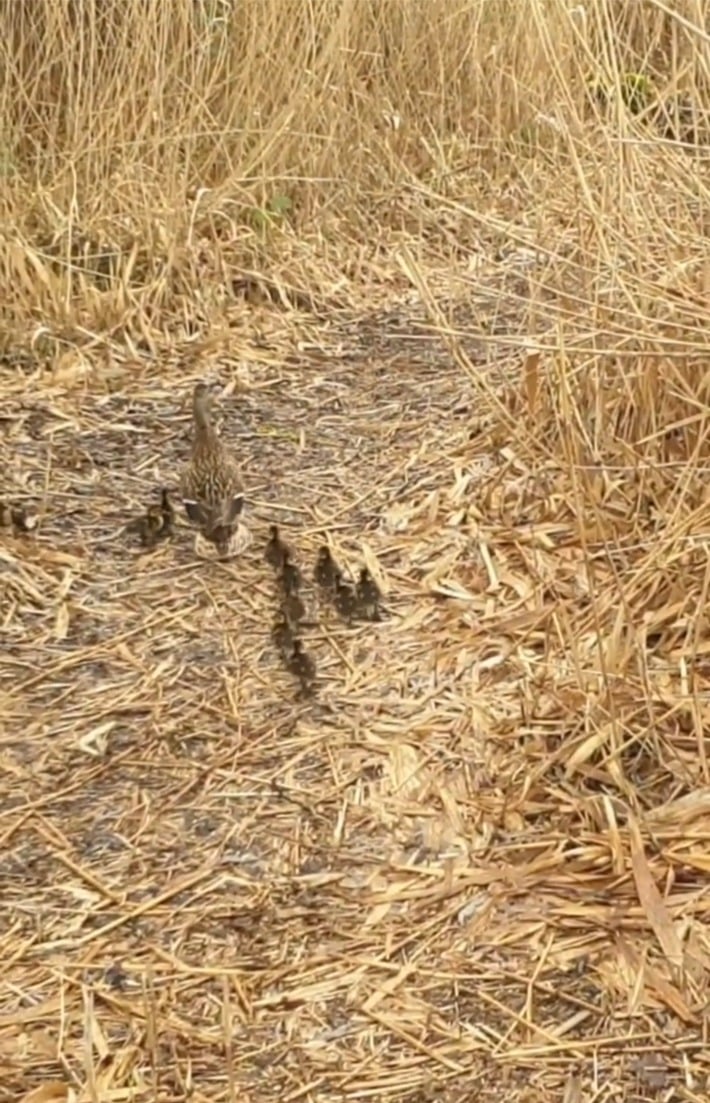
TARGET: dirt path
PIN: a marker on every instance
(204, 872)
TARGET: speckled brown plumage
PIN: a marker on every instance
(283, 637)
(293, 608)
(17, 518)
(344, 597)
(326, 568)
(156, 523)
(275, 549)
(368, 596)
(290, 577)
(302, 666)
(211, 486)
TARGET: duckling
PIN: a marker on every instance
(368, 596)
(16, 518)
(156, 523)
(325, 568)
(302, 666)
(24, 521)
(167, 512)
(293, 608)
(283, 637)
(345, 598)
(148, 527)
(275, 549)
(211, 486)
(290, 574)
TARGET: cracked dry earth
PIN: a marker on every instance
(170, 809)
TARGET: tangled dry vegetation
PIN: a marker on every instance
(459, 314)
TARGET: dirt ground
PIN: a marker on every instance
(401, 889)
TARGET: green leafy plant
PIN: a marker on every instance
(275, 212)
(636, 92)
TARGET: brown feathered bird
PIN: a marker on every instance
(301, 665)
(156, 523)
(368, 596)
(290, 576)
(293, 608)
(211, 486)
(167, 512)
(344, 597)
(17, 518)
(283, 637)
(276, 550)
(326, 568)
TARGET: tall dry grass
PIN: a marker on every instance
(149, 127)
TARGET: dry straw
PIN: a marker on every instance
(453, 279)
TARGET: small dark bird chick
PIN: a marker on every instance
(149, 527)
(302, 666)
(325, 568)
(24, 521)
(16, 518)
(293, 608)
(290, 574)
(156, 523)
(345, 598)
(167, 512)
(275, 551)
(282, 635)
(368, 596)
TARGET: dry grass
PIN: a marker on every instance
(460, 312)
